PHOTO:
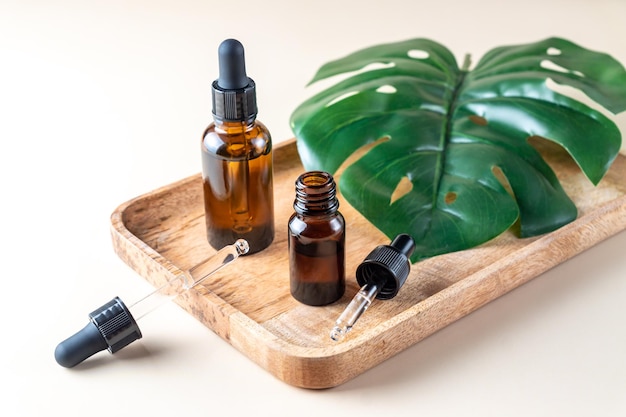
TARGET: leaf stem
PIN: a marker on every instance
(467, 61)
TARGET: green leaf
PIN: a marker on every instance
(443, 153)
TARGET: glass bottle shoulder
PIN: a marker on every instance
(237, 140)
(317, 226)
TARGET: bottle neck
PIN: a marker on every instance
(316, 194)
(234, 127)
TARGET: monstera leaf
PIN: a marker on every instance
(443, 153)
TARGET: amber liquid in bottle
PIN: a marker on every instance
(237, 181)
(316, 241)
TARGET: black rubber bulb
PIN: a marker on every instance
(80, 346)
(232, 65)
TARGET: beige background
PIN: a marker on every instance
(101, 101)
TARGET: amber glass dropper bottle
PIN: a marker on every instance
(316, 241)
(237, 159)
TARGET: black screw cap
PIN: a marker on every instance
(387, 266)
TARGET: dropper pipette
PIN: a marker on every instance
(113, 326)
(381, 275)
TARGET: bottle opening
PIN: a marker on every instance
(316, 179)
(316, 193)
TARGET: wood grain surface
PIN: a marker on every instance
(248, 304)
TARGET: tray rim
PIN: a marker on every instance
(310, 367)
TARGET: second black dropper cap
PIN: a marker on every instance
(111, 327)
(233, 93)
(387, 266)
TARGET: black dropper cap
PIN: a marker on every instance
(234, 93)
(387, 266)
(110, 327)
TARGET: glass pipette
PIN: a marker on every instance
(353, 311)
(113, 326)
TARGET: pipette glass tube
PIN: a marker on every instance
(353, 311)
(188, 279)
(113, 326)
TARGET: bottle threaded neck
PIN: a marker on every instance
(316, 194)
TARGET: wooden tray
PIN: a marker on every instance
(249, 305)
